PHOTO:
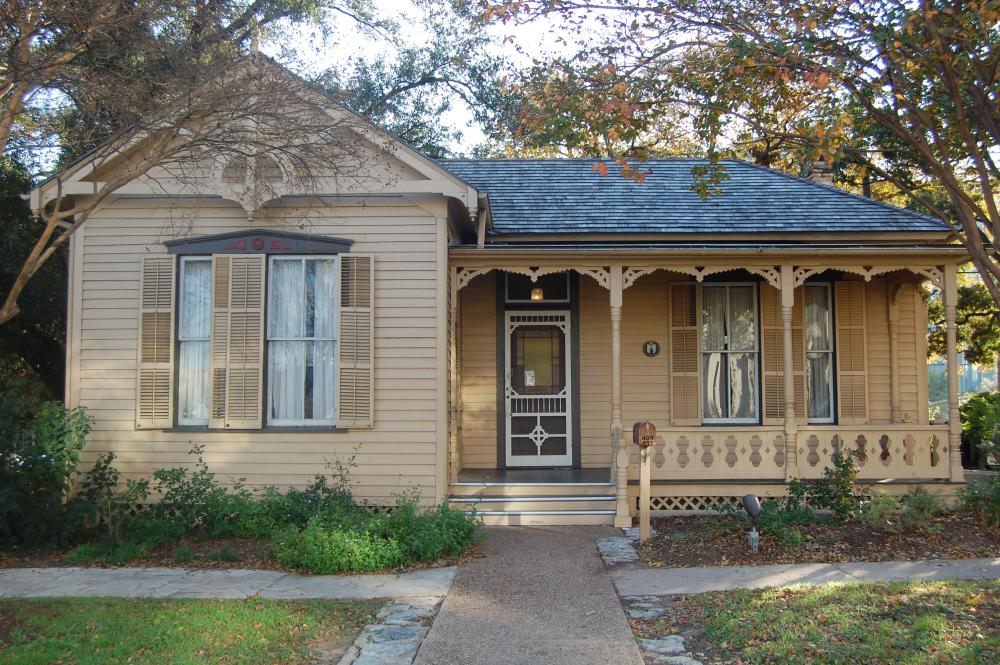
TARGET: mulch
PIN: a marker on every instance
(722, 541)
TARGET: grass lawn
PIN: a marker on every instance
(901, 622)
(103, 630)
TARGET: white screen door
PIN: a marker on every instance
(538, 389)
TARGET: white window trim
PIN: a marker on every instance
(756, 352)
(268, 339)
(830, 352)
(190, 422)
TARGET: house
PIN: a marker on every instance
(489, 330)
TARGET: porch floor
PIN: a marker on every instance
(533, 476)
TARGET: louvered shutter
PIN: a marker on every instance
(852, 370)
(237, 341)
(685, 394)
(772, 347)
(154, 379)
(355, 359)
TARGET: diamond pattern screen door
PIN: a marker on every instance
(538, 391)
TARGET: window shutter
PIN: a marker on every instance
(852, 374)
(772, 347)
(237, 341)
(685, 393)
(355, 360)
(154, 379)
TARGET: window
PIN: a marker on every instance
(193, 331)
(819, 353)
(302, 323)
(729, 353)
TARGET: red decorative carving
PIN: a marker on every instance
(239, 244)
(277, 244)
(258, 244)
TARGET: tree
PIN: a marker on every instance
(32, 346)
(410, 89)
(978, 324)
(905, 91)
(170, 78)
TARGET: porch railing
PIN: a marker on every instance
(896, 451)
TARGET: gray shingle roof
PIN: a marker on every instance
(565, 196)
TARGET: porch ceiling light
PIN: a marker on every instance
(537, 293)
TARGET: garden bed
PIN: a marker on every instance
(899, 622)
(218, 554)
(106, 630)
(722, 541)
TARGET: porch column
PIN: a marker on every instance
(950, 299)
(788, 369)
(892, 289)
(619, 447)
(454, 463)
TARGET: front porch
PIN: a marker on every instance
(609, 376)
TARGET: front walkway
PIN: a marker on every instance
(539, 595)
(636, 581)
(235, 583)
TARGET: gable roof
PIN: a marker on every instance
(564, 196)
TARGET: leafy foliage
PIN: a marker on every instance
(978, 325)
(981, 425)
(39, 449)
(982, 498)
(836, 491)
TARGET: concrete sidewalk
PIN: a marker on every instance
(633, 581)
(539, 595)
(235, 583)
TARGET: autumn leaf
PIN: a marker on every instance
(599, 167)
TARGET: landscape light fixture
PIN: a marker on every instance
(751, 504)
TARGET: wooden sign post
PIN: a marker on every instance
(644, 436)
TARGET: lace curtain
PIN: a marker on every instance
(194, 328)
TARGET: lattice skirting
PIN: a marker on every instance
(691, 503)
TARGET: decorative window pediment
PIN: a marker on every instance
(259, 242)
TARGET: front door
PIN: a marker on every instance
(538, 389)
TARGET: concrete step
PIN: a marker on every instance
(530, 489)
(547, 517)
(546, 503)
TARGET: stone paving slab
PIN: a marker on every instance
(665, 581)
(234, 583)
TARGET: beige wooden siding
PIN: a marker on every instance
(478, 328)
(398, 453)
(911, 354)
(645, 381)
(595, 373)
(877, 323)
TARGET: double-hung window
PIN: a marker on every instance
(819, 353)
(729, 353)
(194, 329)
(301, 344)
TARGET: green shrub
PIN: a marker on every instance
(340, 540)
(122, 553)
(981, 426)
(154, 531)
(39, 451)
(836, 491)
(84, 553)
(881, 511)
(324, 551)
(919, 509)
(103, 503)
(184, 554)
(783, 520)
(982, 499)
(224, 554)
